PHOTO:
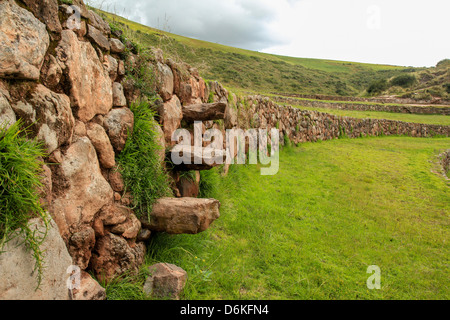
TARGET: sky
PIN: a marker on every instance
(396, 32)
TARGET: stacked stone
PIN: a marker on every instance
(64, 82)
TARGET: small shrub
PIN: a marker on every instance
(142, 171)
(404, 80)
(447, 87)
(377, 87)
(20, 175)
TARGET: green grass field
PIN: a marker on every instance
(312, 230)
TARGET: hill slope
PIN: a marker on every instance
(259, 72)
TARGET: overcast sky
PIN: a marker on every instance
(398, 32)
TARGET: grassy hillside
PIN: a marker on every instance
(259, 72)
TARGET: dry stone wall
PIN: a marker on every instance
(65, 84)
(400, 108)
(302, 125)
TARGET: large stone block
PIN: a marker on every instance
(17, 267)
(90, 84)
(23, 42)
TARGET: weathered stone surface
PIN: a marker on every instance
(89, 289)
(167, 281)
(91, 88)
(171, 115)
(81, 244)
(164, 81)
(144, 235)
(97, 22)
(204, 112)
(79, 188)
(7, 115)
(118, 123)
(23, 42)
(113, 256)
(17, 264)
(121, 68)
(47, 12)
(98, 38)
(116, 181)
(101, 142)
(111, 66)
(128, 229)
(79, 130)
(182, 215)
(114, 214)
(231, 118)
(49, 114)
(119, 99)
(51, 72)
(116, 46)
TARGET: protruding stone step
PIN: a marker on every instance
(182, 215)
(196, 158)
(204, 112)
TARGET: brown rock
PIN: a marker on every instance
(51, 72)
(91, 88)
(165, 84)
(129, 229)
(121, 68)
(98, 38)
(49, 114)
(47, 12)
(23, 42)
(171, 116)
(102, 145)
(113, 257)
(79, 188)
(204, 112)
(182, 215)
(119, 99)
(89, 290)
(99, 228)
(81, 244)
(116, 46)
(118, 123)
(111, 66)
(167, 281)
(17, 263)
(79, 129)
(144, 235)
(97, 22)
(116, 181)
(114, 214)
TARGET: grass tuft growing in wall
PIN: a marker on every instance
(143, 173)
(20, 175)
